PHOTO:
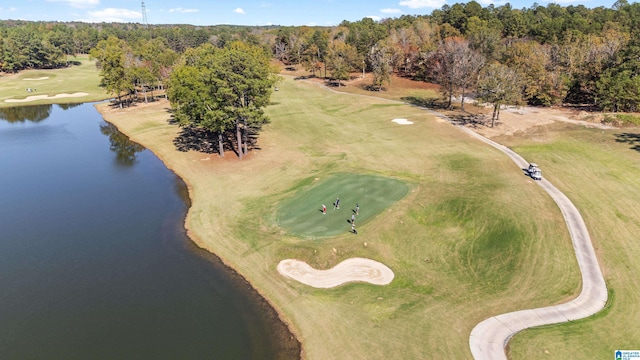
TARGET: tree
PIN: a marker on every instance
(465, 72)
(245, 80)
(484, 36)
(499, 85)
(315, 53)
(364, 34)
(341, 60)
(545, 82)
(381, 59)
(406, 43)
(191, 91)
(110, 56)
(157, 56)
(453, 66)
(223, 90)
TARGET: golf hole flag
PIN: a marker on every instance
(627, 354)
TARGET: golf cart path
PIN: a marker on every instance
(489, 338)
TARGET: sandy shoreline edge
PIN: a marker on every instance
(288, 336)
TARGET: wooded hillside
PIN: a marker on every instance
(572, 54)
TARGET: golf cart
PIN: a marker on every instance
(534, 172)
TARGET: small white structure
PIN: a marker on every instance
(402, 121)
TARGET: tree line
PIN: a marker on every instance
(550, 55)
(541, 55)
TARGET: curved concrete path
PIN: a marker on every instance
(490, 337)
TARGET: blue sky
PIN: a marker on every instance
(238, 12)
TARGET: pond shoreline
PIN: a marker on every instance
(288, 343)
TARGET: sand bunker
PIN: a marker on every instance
(402, 121)
(40, 97)
(350, 270)
(40, 78)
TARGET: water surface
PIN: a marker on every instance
(94, 260)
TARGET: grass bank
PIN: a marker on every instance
(472, 238)
(80, 77)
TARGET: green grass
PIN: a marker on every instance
(301, 214)
(600, 172)
(80, 77)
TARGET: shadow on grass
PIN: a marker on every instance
(430, 103)
(304, 77)
(474, 120)
(200, 140)
(632, 139)
(457, 117)
(204, 141)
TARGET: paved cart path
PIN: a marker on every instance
(490, 337)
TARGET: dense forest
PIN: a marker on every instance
(541, 55)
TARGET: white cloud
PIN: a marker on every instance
(115, 15)
(11, 9)
(391, 11)
(374, 17)
(181, 10)
(417, 4)
(79, 3)
(239, 11)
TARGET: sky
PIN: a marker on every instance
(240, 12)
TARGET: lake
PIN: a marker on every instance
(94, 259)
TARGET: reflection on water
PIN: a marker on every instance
(124, 148)
(94, 259)
(35, 113)
(69, 106)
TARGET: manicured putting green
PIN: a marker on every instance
(302, 213)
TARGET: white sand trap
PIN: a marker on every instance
(350, 270)
(40, 97)
(40, 78)
(402, 121)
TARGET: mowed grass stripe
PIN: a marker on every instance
(301, 214)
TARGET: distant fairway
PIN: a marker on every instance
(301, 214)
(53, 86)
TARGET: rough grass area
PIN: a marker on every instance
(81, 76)
(302, 215)
(600, 172)
(473, 237)
(622, 120)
